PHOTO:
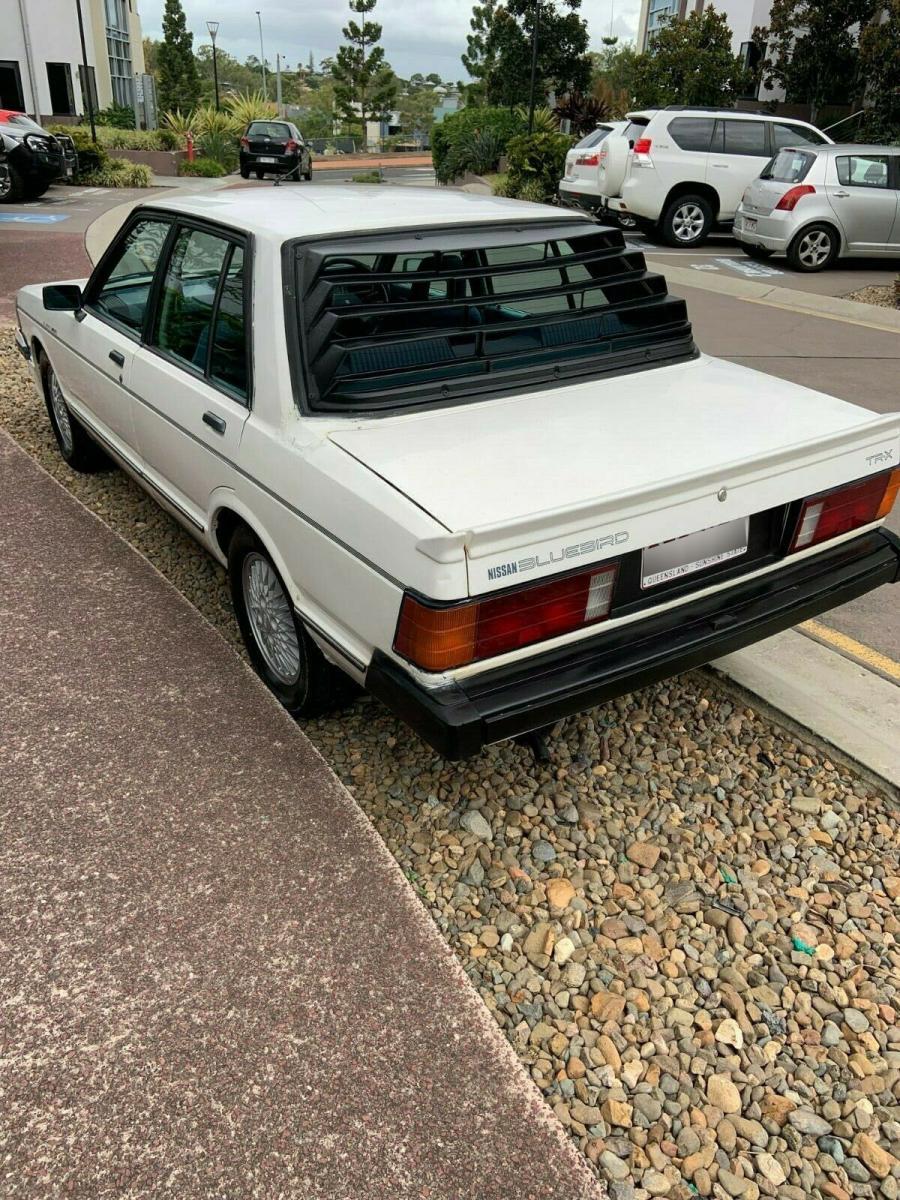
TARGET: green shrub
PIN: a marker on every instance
(500, 186)
(120, 116)
(472, 139)
(205, 168)
(111, 138)
(537, 161)
(367, 177)
(119, 173)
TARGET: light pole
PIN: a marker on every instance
(262, 57)
(534, 53)
(88, 97)
(213, 27)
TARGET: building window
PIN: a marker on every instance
(11, 95)
(659, 13)
(118, 46)
(62, 96)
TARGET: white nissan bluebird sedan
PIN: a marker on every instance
(461, 450)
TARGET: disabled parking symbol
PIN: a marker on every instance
(32, 218)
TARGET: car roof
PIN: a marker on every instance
(648, 114)
(304, 210)
(853, 148)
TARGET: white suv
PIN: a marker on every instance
(683, 170)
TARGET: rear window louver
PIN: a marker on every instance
(434, 315)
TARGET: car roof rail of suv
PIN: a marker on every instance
(741, 112)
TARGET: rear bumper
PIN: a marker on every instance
(460, 718)
(768, 232)
(282, 162)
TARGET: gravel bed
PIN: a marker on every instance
(885, 296)
(687, 924)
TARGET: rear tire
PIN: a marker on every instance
(11, 186)
(76, 446)
(245, 172)
(307, 175)
(813, 249)
(259, 174)
(283, 654)
(687, 221)
(760, 253)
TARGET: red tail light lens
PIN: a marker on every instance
(290, 146)
(789, 200)
(588, 160)
(439, 639)
(245, 142)
(642, 145)
(845, 509)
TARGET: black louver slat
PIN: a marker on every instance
(435, 315)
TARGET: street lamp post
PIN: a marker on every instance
(88, 96)
(534, 53)
(213, 27)
(262, 57)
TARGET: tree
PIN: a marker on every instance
(151, 50)
(478, 57)
(690, 62)
(879, 64)
(812, 49)
(365, 85)
(177, 82)
(234, 76)
(613, 66)
(562, 62)
(417, 112)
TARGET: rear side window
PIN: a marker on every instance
(741, 137)
(863, 170)
(386, 321)
(594, 138)
(692, 133)
(795, 135)
(789, 166)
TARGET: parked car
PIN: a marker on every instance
(274, 148)
(461, 450)
(580, 185)
(30, 158)
(681, 171)
(818, 204)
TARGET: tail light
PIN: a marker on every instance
(440, 639)
(588, 160)
(290, 146)
(846, 508)
(245, 142)
(789, 200)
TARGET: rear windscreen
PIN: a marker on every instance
(594, 138)
(270, 129)
(437, 314)
(788, 166)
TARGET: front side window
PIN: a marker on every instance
(795, 135)
(744, 137)
(692, 133)
(200, 319)
(125, 291)
(863, 170)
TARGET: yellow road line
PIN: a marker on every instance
(801, 310)
(853, 649)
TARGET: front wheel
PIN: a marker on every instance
(282, 653)
(75, 444)
(34, 191)
(687, 221)
(813, 249)
(11, 185)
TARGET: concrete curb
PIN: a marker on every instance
(832, 308)
(838, 700)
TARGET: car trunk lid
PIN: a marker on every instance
(789, 168)
(578, 474)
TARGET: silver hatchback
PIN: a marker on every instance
(819, 203)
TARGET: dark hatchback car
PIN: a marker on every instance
(275, 148)
(30, 158)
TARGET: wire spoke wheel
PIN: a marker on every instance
(61, 414)
(271, 619)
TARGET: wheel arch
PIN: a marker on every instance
(706, 190)
(227, 513)
(827, 222)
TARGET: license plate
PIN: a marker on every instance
(261, 159)
(694, 552)
(749, 224)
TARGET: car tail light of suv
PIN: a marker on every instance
(846, 508)
(792, 196)
(642, 152)
(587, 160)
(440, 639)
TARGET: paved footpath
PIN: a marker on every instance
(215, 981)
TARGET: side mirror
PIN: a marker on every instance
(62, 297)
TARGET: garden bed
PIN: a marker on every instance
(160, 162)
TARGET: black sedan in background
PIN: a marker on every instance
(275, 148)
(30, 158)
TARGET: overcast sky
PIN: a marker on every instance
(419, 35)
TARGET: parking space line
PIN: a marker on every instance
(851, 648)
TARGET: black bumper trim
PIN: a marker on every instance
(460, 718)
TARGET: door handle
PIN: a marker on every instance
(214, 422)
(118, 359)
(843, 195)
